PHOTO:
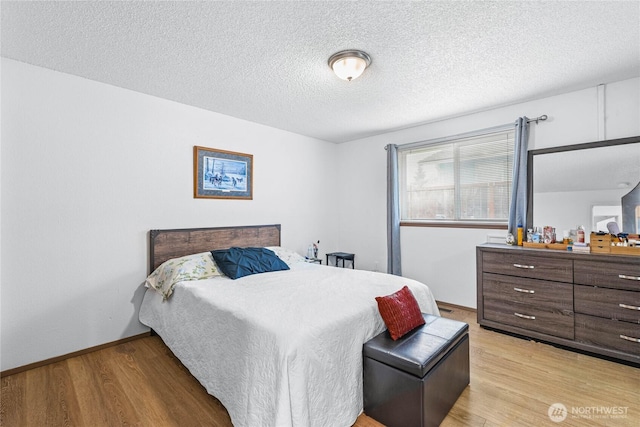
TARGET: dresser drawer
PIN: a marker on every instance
(621, 336)
(552, 296)
(524, 265)
(608, 303)
(608, 274)
(530, 317)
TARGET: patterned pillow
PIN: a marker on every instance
(187, 268)
(400, 312)
(286, 255)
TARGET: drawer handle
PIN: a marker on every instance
(528, 291)
(524, 316)
(624, 276)
(525, 266)
(632, 339)
(630, 307)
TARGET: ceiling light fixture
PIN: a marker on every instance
(349, 64)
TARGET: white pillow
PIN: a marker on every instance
(191, 267)
(286, 255)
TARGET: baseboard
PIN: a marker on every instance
(70, 355)
(446, 305)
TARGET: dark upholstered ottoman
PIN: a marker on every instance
(415, 380)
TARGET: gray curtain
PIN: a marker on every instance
(393, 212)
(518, 208)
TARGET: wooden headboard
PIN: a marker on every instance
(167, 244)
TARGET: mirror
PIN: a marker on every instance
(584, 184)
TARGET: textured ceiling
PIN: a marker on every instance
(266, 62)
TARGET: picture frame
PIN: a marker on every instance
(221, 174)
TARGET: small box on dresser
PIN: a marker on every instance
(600, 243)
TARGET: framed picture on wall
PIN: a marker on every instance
(220, 174)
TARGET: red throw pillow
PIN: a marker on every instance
(400, 312)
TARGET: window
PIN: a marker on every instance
(459, 179)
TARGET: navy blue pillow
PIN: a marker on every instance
(240, 262)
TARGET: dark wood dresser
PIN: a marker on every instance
(589, 302)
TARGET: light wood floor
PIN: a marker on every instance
(141, 383)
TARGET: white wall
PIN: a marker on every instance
(445, 258)
(88, 169)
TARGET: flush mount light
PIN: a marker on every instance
(349, 64)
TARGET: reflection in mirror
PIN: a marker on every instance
(584, 185)
(603, 215)
(631, 211)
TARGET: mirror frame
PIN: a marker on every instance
(584, 146)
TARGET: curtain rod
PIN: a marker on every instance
(541, 118)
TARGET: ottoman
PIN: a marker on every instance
(415, 380)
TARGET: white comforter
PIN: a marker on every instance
(281, 348)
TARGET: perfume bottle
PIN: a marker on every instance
(520, 234)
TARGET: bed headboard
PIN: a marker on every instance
(167, 244)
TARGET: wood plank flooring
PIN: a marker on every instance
(141, 383)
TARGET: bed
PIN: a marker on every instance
(282, 348)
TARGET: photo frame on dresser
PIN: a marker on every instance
(221, 174)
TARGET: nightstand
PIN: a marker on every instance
(344, 257)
